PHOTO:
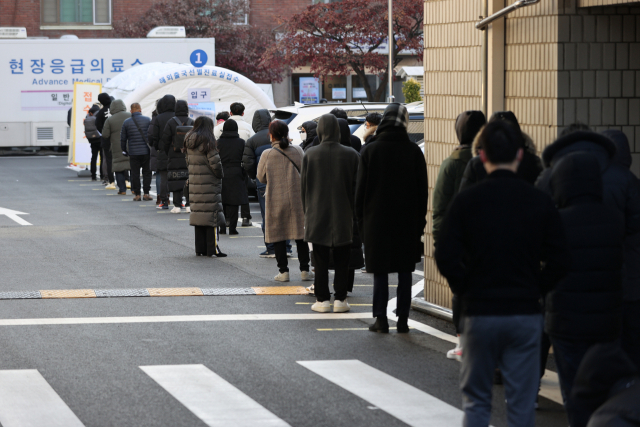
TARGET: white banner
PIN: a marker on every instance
(84, 96)
(34, 100)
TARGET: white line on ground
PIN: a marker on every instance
(397, 398)
(211, 398)
(27, 399)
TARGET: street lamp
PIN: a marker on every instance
(390, 43)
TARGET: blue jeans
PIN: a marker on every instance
(120, 180)
(158, 183)
(511, 343)
(262, 201)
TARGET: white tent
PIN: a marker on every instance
(207, 89)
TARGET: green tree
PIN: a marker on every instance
(411, 91)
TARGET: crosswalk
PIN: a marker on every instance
(27, 399)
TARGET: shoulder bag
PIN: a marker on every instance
(292, 162)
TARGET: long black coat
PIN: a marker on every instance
(587, 304)
(153, 159)
(392, 189)
(166, 111)
(175, 157)
(234, 188)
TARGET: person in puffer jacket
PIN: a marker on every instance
(166, 111)
(96, 143)
(133, 140)
(175, 156)
(111, 131)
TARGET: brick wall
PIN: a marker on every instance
(452, 84)
(269, 14)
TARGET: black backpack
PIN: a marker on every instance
(181, 130)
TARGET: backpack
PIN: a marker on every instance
(181, 130)
(90, 129)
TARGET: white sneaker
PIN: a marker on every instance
(307, 276)
(282, 277)
(341, 306)
(128, 184)
(176, 210)
(187, 209)
(311, 290)
(111, 186)
(455, 354)
(321, 307)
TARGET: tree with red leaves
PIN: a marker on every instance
(336, 38)
(238, 47)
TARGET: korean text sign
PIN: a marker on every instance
(84, 96)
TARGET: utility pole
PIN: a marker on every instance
(391, 43)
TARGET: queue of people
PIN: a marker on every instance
(540, 253)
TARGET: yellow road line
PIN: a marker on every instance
(68, 293)
(281, 290)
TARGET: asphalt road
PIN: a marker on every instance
(66, 366)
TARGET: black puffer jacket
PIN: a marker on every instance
(153, 161)
(620, 185)
(587, 304)
(166, 110)
(131, 138)
(175, 156)
(102, 115)
(631, 282)
(311, 128)
(258, 143)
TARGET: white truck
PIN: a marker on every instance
(37, 76)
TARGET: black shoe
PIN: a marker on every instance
(497, 377)
(381, 325)
(222, 231)
(94, 179)
(233, 232)
(219, 253)
(402, 326)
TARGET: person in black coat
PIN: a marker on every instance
(392, 188)
(308, 134)
(585, 308)
(101, 117)
(606, 391)
(529, 168)
(346, 138)
(631, 276)
(176, 163)
(166, 111)
(234, 189)
(153, 153)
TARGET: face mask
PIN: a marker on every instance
(303, 136)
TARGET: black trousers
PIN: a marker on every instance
(352, 279)
(341, 256)
(281, 255)
(231, 215)
(245, 211)
(381, 294)
(456, 308)
(109, 157)
(95, 151)
(177, 198)
(631, 330)
(205, 240)
(138, 162)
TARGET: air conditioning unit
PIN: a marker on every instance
(13, 33)
(167, 32)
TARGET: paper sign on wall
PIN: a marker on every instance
(84, 96)
(199, 95)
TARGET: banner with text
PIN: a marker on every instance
(84, 96)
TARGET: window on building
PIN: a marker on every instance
(241, 17)
(77, 12)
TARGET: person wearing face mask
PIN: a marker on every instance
(307, 134)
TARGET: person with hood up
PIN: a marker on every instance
(101, 118)
(95, 140)
(371, 123)
(468, 125)
(392, 186)
(585, 308)
(234, 189)
(328, 180)
(153, 153)
(205, 186)
(501, 248)
(346, 138)
(308, 134)
(253, 149)
(176, 164)
(166, 111)
(111, 131)
(529, 168)
(606, 391)
(279, 169)
(631, 276)
(354, 141)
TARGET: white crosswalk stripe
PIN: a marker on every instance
(399, 399)
(27, 400)
(211, 398)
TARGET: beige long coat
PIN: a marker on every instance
(284, 214)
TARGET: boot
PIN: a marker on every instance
(381, 325)
(402, 326)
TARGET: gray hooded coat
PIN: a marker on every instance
(329, 172)
(111, 131)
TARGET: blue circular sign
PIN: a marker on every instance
(198, 58)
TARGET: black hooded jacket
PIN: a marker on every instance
(352, 141)
(587, 304)
(620, 185)
(631, 281)
(311, 128)
(102, 115)
(166, 110)
(175, 159)
(257, 143)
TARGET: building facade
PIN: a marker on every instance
(552, 64)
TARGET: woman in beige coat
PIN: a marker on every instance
(279, 169)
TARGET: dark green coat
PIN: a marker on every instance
(205, 186)
(111, 131)
(448, 184)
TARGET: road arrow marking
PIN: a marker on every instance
(14, 216)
